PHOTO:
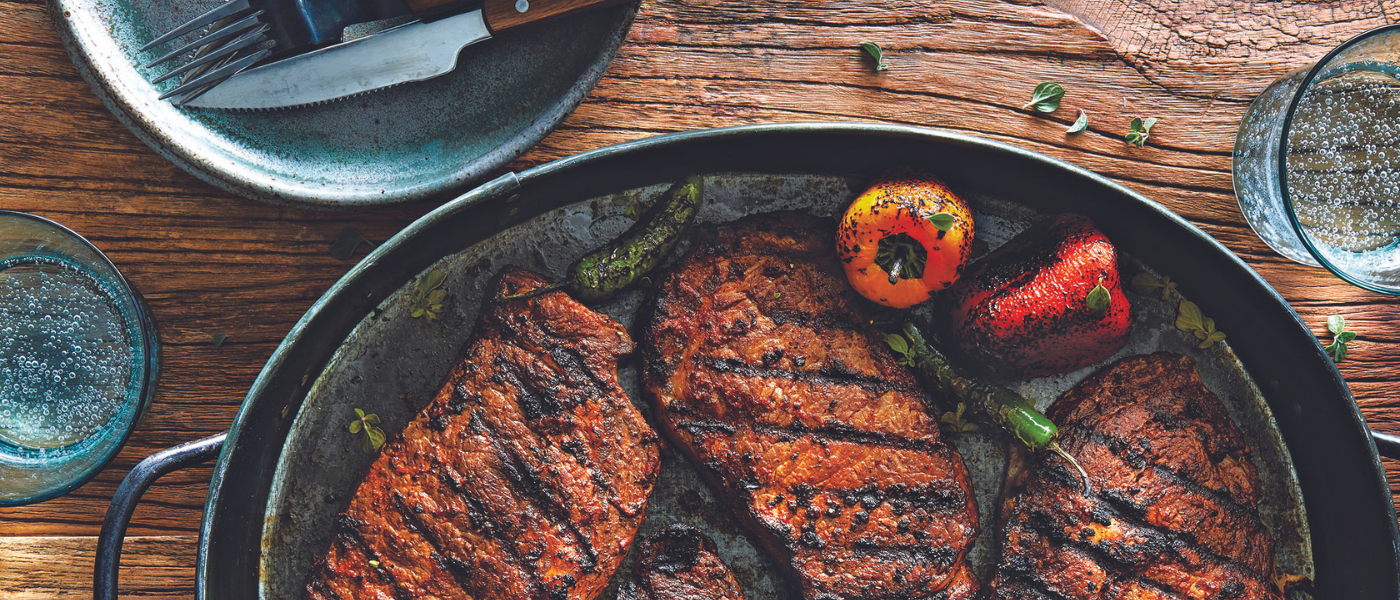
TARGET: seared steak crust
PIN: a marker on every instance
(525, 477)
(765, 372)
(679, 563)
(1173, 512)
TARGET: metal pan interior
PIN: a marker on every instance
(391, 364)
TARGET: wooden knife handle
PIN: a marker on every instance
(505, 14)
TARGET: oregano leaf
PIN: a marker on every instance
(346, 243)
(943, 221)
(1099, 299)
(1046, 97)
(1080, 124)
(876, 53)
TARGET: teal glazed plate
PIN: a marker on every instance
(428, 139)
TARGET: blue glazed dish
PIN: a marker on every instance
(78, 359)
(421, 140)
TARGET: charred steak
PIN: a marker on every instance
(679, 563)
(1173, 513)
(525, 477)
(766, 373)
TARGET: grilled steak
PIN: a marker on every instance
(525, 477)
(1173, 512)
(679, 563)
(765, 371)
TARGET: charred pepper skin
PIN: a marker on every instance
(893, 252)
(625, 260)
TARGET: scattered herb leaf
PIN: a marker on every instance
(1190, 320)
(876, 53)
(1147, 284)
(1337, 324)
(219, 339)
(777, 294)
(901, 347)
(427, 300)
(345, 245)
(943, 221)
(1139, 129)
(636, 207)
(1099, 298)
(954, 421)
(1046, 97)
(369, 424)
(374, 563)
(1080, 124)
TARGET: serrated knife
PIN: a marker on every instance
(411, 52)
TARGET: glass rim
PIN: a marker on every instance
(1312, 75)
(150, 367)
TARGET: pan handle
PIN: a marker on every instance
(146, 472)
(1387, 445)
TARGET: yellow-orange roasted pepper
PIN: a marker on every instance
(905, 238)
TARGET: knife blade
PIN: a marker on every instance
(410, 52)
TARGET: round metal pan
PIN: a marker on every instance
(418, 140)
(1347, 501)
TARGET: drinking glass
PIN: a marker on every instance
(78, 359)
(1317, 162)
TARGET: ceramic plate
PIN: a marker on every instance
(413, 141)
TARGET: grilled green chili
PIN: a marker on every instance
(1014, 413)
(625, 260)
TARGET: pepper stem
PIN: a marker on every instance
(1054, 446)
(539, 291)
(894, 270)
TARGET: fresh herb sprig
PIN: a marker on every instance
(1139, 129)
(427, 299)
(953, 421)
(1337, 324)
(1046, 97)
(1190, 320)
(875, 53)
(369, 424)
(1147, 284)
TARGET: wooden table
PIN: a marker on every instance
(212, 263)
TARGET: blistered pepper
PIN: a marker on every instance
(904, 239)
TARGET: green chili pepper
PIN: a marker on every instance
(1014, 413)
(625, 260)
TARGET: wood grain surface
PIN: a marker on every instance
(211, 263)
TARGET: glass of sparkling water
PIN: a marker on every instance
(1317, 162)
(78, 359)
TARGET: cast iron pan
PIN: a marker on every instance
(1348, 503)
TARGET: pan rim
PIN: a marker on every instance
(504, 188)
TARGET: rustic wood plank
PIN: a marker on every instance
(61, 567)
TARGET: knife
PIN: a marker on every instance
(411, 52)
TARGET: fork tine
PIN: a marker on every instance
(237, 28)
(215, 76)
(222, 10)
(250, 39)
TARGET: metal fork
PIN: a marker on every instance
(240, 29)
(217, 53)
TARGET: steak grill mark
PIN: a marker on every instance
(525, 477)
(764, 372)
(1173, 513)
